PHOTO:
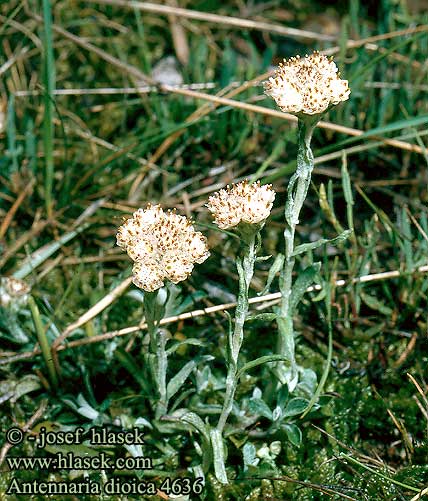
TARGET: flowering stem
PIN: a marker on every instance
(296, 194)
(245, 266)
(158, 361)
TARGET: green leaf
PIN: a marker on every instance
(184, 420)
(294, 434)
(179, 379)
(346, 183)
(249, 452)
(274, 269)
(218, 455)
(268, 317)
(308, 382)
(286, 333)
(11, 327)
(197, 423)
(259, 361)
(82, 407)
(192, 341)
(14, 390)
(319, 297)
(385, 220)
(300, 249)
(48, 118)
(175, 304)
(406, 243)
(295, 406)
(304, 280)
(282, 396)
(277, 414)
(260, 259)
(259, 407)
(375, 304)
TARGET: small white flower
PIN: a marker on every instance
(163, 245)
(287, 96)
(307, 85)
(176, 269)
(242, 202)
(147, 276)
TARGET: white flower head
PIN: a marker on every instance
(13, 292)
(307, 85)
(163, 245)
(241, 202)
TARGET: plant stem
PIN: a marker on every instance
(158, 361)
(162, 365)
(296, 194)
(245, 266)
(43, 341)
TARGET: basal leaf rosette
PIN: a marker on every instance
(163, 246)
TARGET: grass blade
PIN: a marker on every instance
(49, 83)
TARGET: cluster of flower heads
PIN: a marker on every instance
(164, 246)
(307, 85)
(249, 203)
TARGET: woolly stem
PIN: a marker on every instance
(158, 360)
(245, 265)
(296, 195)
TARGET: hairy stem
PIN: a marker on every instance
(296, 194)
(245, 266)
(158, 361)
